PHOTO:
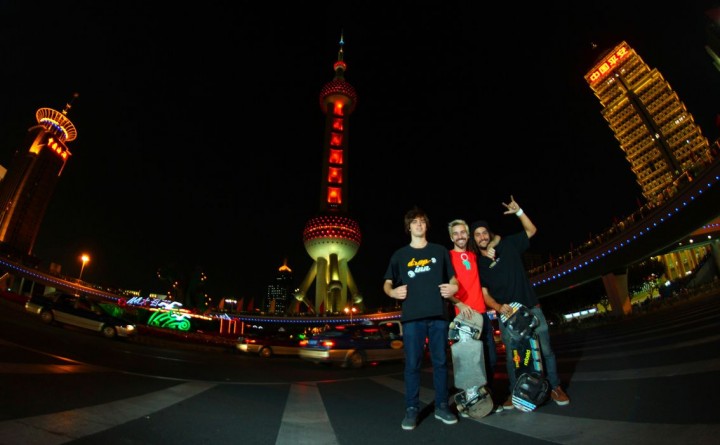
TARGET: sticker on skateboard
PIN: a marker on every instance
(522, 323)
(531, 387)
(473, 400)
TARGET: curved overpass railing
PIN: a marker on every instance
(691, 207)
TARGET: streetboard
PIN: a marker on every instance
(468, 363)
(531, 387)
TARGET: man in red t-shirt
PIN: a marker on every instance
(469, 295)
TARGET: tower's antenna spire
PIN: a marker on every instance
(68, 105)
(340, 66)
(342, 43)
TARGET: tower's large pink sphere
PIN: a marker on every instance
(327, 234)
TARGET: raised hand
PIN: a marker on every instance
(512, 208)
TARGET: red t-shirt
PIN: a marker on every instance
(469, 287)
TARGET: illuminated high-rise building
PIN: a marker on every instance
(279, 291)
(332, 238)
(658, 135)
(30, 182)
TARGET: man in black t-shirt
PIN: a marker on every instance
(422, 276)
(505, 281)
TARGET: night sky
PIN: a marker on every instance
(200, 133)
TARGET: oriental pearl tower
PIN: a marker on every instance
(332, 238)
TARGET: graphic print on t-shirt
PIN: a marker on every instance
(465, 261)
(420, 266)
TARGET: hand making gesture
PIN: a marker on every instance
(512, 208)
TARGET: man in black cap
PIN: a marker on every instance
(505, 280)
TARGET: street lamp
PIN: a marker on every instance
(84, 258)
(351, 311)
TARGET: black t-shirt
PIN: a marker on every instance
(423, 270)
(507, 281)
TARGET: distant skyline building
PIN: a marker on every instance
(332, 238)
(279, 291)
(658, 135)
(31, 178)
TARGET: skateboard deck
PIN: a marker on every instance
(468, 361)
(531, 387)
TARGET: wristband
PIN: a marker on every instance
(519, 213)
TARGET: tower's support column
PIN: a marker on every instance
(321, 286)
(344, 270)
(353, 294)
(335, 285)
(301, 294)
(617, 292)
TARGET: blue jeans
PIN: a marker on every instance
(548, 356)
(490, 353)
(414, 334)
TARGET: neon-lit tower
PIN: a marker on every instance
(332, 238)
(31, 179)
(658, 135)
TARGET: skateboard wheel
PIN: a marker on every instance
(460, 400)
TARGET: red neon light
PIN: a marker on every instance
(334, 195)
(337, 124)
(336, 156)
(335, 175)
(609, 64)
(336, 139)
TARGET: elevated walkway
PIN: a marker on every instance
(691, 208)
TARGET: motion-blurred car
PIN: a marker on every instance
(267, 345)
(356, 345)
(78, 311)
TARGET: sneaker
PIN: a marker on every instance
(410, 420)
(443, 413)
(559, 396)
(508, 403)
(498, 409)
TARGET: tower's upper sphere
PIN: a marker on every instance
(338, 87)
(328, 234)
